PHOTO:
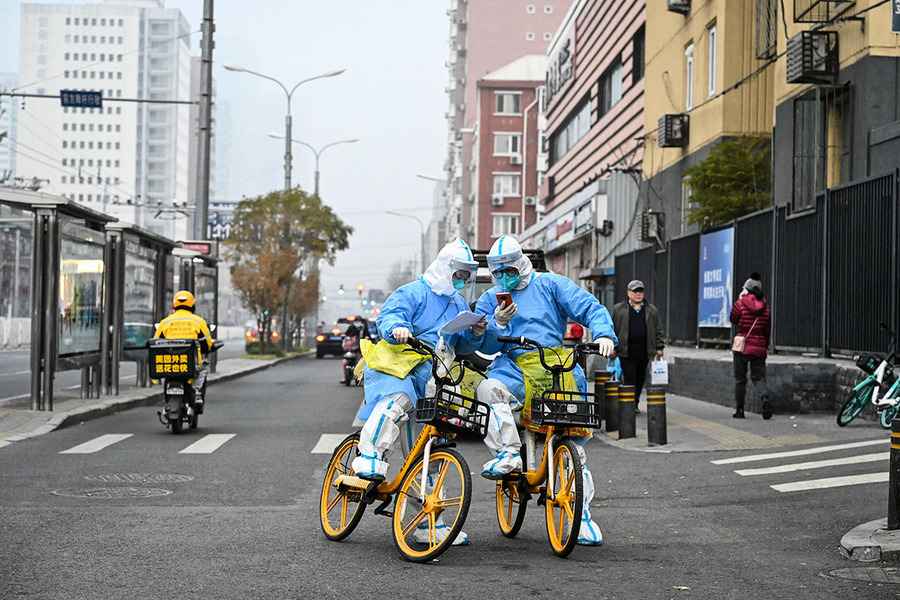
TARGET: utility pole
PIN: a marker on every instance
(201, 212)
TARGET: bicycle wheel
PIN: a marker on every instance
(511, 505)
(563, 512)
(855, 404)
(887, 415)
(340, 512)
(441, 516)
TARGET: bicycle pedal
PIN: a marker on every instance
(352, 482)
(380, 509)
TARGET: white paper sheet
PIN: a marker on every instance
(463, 320)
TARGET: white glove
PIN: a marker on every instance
(401, 334)
(605, 346)
(504, 315)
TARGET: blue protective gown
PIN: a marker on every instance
(423, 312)
(544, 306)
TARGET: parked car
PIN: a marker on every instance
(251, 334)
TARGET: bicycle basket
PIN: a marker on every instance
(454, 413)
(868, 362)
(565, 409)
(172, 359)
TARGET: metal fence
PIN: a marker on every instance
(831, 272)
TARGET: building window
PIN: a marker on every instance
(75, 38)
(507, 144)
(638, 55)
(508, 103)
(530, 9)
(103, 22)
(576, 126)
(94, 22)
(118, 110)
(529, 36)
(505, 224)
(711, 65)
(68, 20)
(809, 150)
(65, 144)
(77, 21)
(610, 88)
(507, 185)
(689, 77)
(121, 23)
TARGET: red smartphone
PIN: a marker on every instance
(504, 299)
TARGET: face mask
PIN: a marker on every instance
(508, 281)
(458, 284)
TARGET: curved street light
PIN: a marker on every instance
(317, 153)
(289, 93)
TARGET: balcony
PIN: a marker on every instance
(820, 11)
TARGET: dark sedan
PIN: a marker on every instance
(329, 342)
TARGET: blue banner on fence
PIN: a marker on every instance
(716, 261)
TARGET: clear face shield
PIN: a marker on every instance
(463, 278)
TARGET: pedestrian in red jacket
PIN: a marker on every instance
(750, 314)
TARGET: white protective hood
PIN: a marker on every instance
(453, 257)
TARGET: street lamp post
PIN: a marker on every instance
(421, 233)
(288, 158)
(317, 153)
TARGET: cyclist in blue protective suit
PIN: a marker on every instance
(395, 379)
(542, 303)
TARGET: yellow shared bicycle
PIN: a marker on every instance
(432, 491)
(557, 478)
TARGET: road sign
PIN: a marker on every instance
(80, 99)
(895, 16)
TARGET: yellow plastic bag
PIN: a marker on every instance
(538, 380)
(390, 358)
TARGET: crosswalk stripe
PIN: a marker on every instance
(97, 444)
(791, 453)
(327, 443)
(818, 464)
(830, 482)
(208, 443)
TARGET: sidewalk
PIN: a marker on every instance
(18, 422)
(700, 426)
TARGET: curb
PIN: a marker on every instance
(871, 542)
(105, 408)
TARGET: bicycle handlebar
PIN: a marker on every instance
(421, 347)
(589, 348)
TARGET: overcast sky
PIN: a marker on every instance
(391, 97)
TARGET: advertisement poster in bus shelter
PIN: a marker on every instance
(716, 260)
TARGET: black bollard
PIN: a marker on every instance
(612, 406)
(893, 520)
(656, 416)
(600, 379)
(627, 424)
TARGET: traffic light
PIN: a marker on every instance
(359, 289)
(341, 289)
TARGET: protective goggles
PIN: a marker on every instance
(498, 263)
(462, 275)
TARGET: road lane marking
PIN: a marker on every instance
(10, 374)
(98, 443)
(328, 442)
(818, 464)
(805, 452)
(830, 482)
(19, 397)
(208, 443)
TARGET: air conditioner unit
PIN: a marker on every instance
(812, 57)
(515, 159)
(530, 200)
(673, 131)
(682, 7)
(496, 200)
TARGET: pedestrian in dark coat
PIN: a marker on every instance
(750, 315)
(641, 337)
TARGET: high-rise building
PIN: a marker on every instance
(128, 159)
(484, 36)
(7, 129)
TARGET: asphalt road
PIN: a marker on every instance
(15, 372)
(241, 521)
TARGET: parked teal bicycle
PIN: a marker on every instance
(879, 378)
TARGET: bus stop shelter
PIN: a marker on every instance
(67, 280)
(138, 291)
